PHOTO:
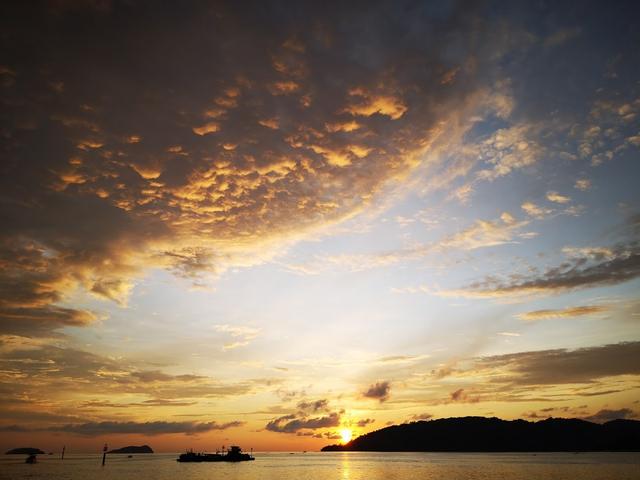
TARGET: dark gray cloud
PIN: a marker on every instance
(33, 415)
(30, 284)
(158, 376)
(313, 406)
(306, 418)
(544, 375)
(564, 366)
(564, 411)
(292, 424)
(592, 268)
(143, 428)
(606, 415)
(422, 416)
(28, 364)
(462, 396)
(379, 391)
(364, 422)
(154, 402)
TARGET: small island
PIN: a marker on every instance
(133, 449)
(480, 434)
(25, 451)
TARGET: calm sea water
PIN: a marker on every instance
(335, 465)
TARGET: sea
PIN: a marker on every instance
(334, 465)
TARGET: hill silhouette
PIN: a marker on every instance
(133, 449)
(24, 451)
(481, 434)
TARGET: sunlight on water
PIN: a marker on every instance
(338, 465)
(345, 467)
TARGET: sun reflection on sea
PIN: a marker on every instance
(345, 466)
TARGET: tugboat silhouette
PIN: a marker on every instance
(234, 454)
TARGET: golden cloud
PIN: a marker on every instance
(568, 312)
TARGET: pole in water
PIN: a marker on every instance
(63, 449)
(104, 454)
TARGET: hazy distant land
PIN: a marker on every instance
(480, 434)
(133, 449)
(25, 451)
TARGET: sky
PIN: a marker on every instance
(273, 224)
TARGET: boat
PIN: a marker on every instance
(31, 459)
(234, 454)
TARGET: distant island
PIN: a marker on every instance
(133, 449)
(25, 451)
(480, 434)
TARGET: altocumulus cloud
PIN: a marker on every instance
(266, 144)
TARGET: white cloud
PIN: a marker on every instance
(583, 184)
(535, 211)
(557, 198)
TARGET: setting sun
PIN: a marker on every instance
(346, 435)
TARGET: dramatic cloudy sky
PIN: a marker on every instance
(267, 222)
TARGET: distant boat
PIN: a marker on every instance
(233, 455)
(31, 459)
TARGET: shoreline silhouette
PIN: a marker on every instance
(482, 434)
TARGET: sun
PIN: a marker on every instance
(346, 435)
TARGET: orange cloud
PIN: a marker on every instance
(366, 104)
(207, 128)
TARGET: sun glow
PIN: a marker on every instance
(346, 435)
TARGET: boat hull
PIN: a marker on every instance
(199, 458)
